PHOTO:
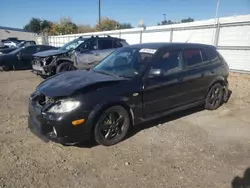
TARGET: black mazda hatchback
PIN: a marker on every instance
(132, 85)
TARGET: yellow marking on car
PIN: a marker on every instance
(77, 122)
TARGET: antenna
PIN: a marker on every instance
(190, 36)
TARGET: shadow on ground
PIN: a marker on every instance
(147, 125)
(243, 182)
(156, 122)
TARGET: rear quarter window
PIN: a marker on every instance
(192, 57)
(209, 54)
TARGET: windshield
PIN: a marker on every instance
(16, 50)
(72, 44)
(20, 44)
(126, 62)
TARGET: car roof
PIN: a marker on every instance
(161, 45)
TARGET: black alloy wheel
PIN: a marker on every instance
(214, 97)
(112, 126)
(65, 66)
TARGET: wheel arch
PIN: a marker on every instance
(218, 80)
(98, 109)
(62, 60)
(223, 81)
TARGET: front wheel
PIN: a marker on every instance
(112, 126)
(65, 66)
(214, 97)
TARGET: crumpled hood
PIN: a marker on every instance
(67, 83)
(48, 53)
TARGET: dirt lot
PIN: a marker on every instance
(195, 148)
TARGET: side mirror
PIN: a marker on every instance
(155, 73)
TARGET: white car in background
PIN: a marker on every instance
(10, 44)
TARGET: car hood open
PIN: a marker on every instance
(48, 53)
(67, 83)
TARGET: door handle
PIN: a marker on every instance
(97, 54)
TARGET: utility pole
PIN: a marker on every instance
(99, 14)
(164, 17)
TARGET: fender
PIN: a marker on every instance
(56, 61)
(223, 81)
(218, 79)
(121, 101)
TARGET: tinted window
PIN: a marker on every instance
(192, 57)
(105, 44)
(209, 54)
(125, 62)
(117, 44)
(170, 61)
(29, 50)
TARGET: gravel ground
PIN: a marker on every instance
(194, 148)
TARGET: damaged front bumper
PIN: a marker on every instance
(56, 128)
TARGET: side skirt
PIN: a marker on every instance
(168, 112)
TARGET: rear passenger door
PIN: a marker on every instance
(198, 73)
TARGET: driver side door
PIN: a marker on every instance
(25, 57)
(166, 91)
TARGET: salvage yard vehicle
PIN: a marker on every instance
(19, 45)
(81, 53)
(132, 85)
(20, 58)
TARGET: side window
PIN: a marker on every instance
(117, 44)
(169, 62)
(209, 54)
(192, 57)
(105, 44)
(29, 50)
(91, 45)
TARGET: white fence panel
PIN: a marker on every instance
(235, 36)
(131, 38)
(237, 59)
(204, 36)
(162, 36)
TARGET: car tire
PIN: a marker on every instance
(112, 126)
(65, 66)
(214, 97)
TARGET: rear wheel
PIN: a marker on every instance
(65, 66)
(214, 97)
(112, 126)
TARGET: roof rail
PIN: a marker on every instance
(94, 35)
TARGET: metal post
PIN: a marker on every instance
(140, 37)
(217, 35)
(171, 35)
(100, 15)
(215, 21)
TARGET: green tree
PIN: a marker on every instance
(84, 28)
(187, 20)
(125, 26)
(66, 26)
(107, 25)
(34, 25)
